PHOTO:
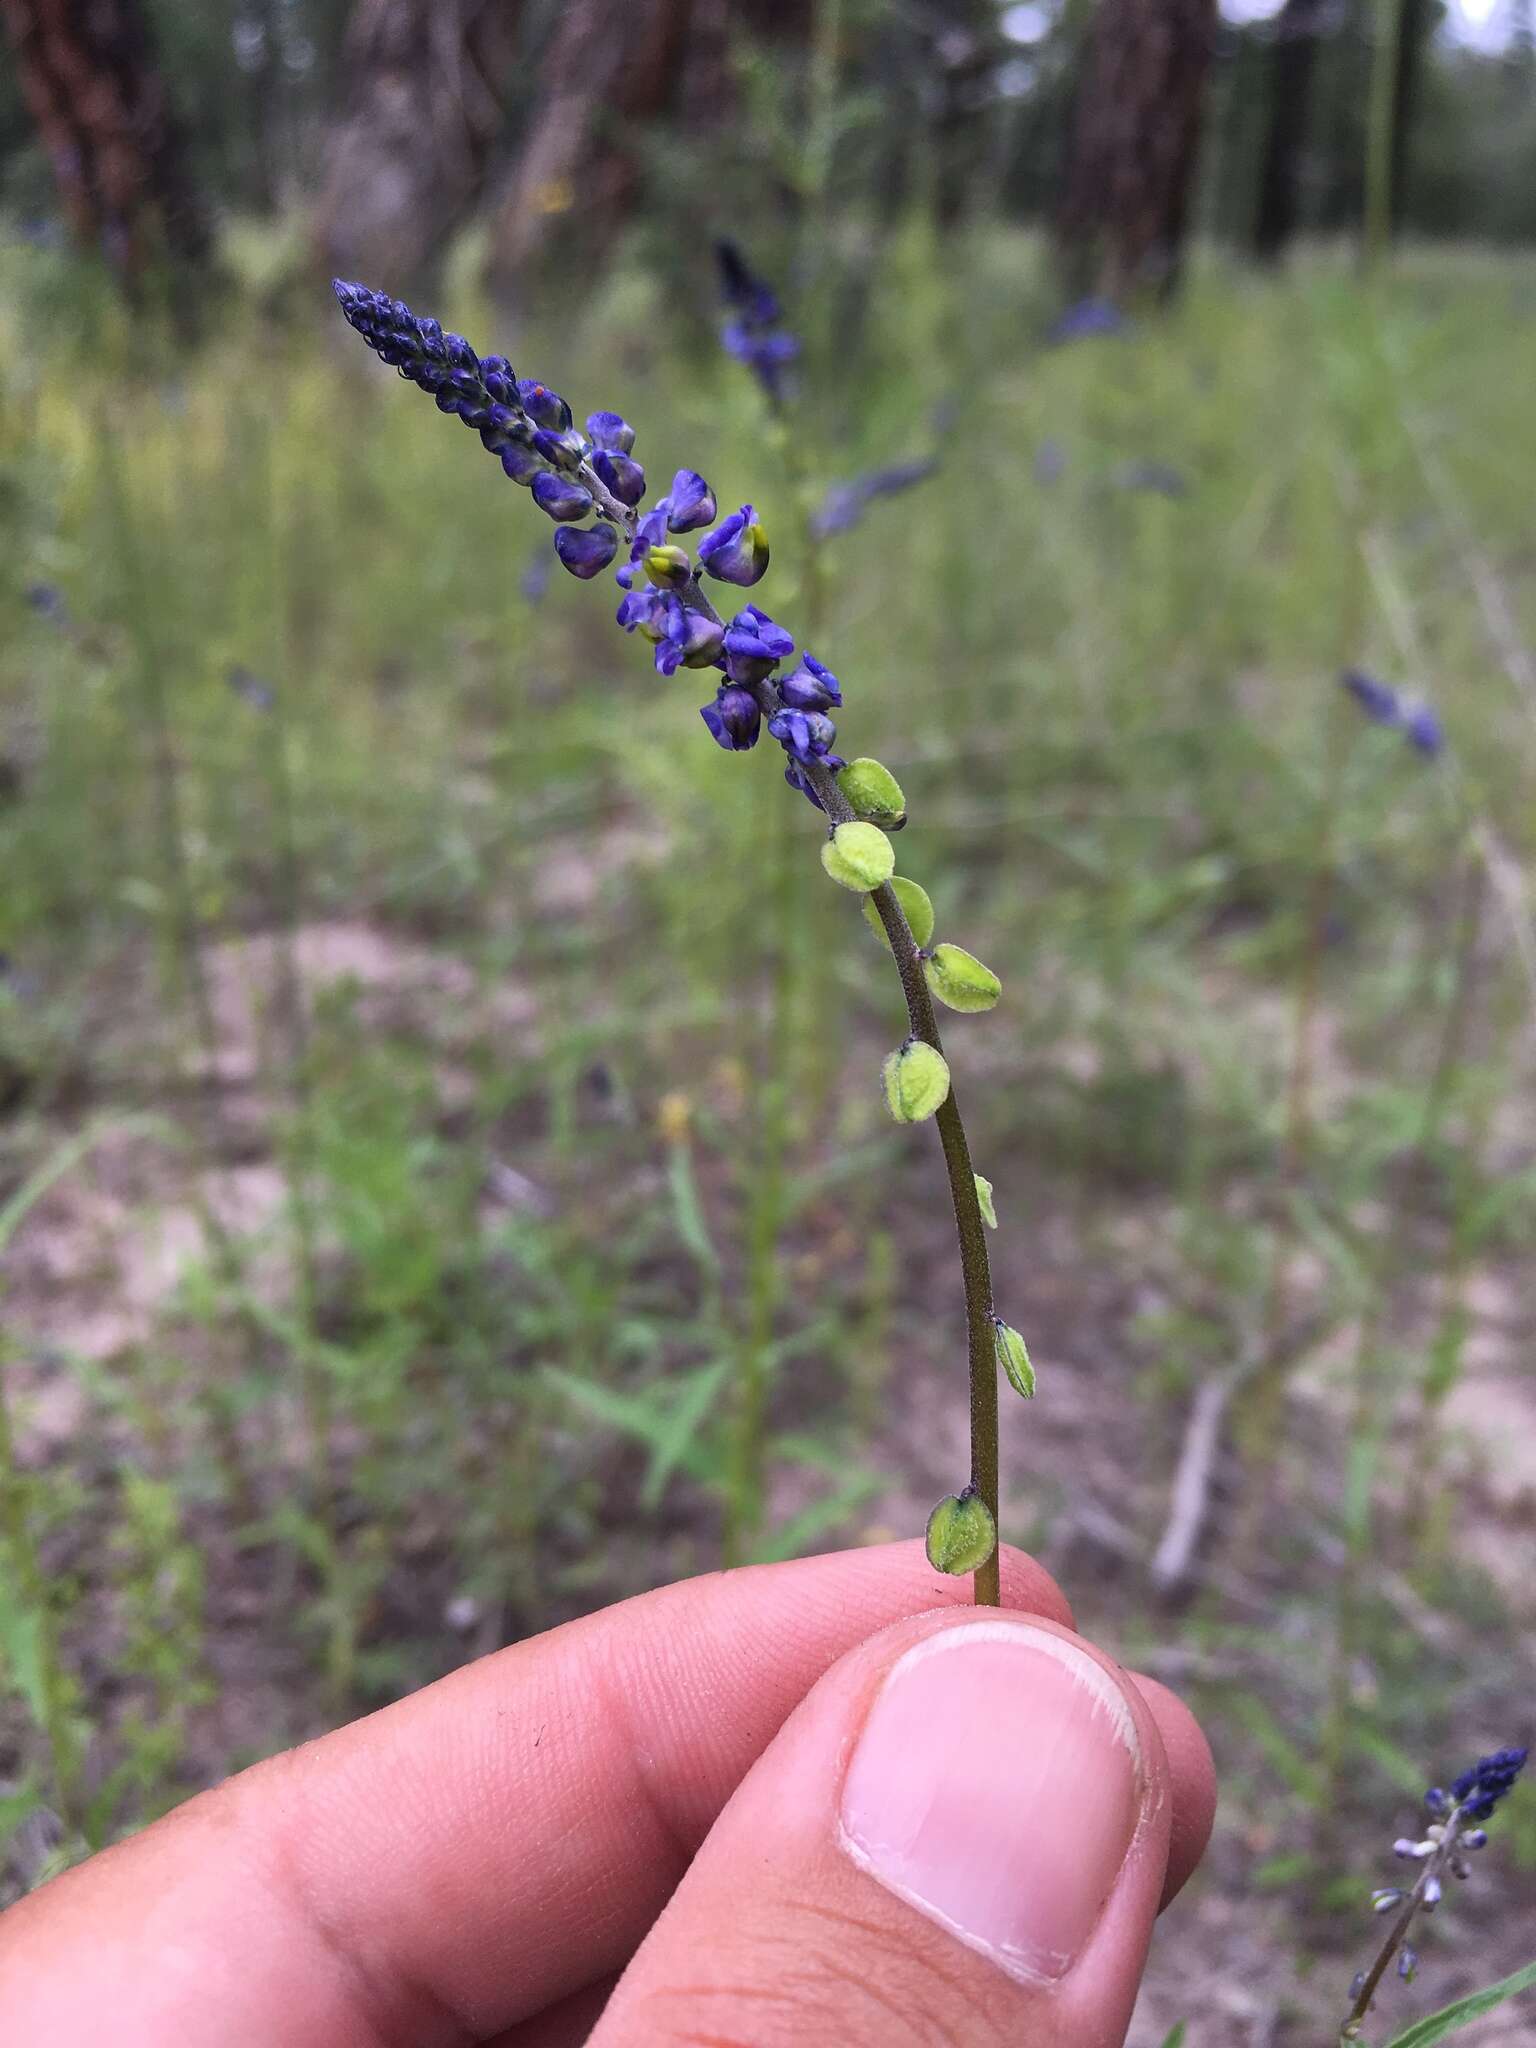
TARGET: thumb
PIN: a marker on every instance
(961, 1834)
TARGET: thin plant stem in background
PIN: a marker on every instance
(1380, 140)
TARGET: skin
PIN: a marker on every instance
(483, 1861)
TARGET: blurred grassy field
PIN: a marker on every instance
(439, 1091)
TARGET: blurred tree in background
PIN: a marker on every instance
(96, 92)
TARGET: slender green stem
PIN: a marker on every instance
(971, 1230)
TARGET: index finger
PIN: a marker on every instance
(454, 1863)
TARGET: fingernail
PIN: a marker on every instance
(996, 1787)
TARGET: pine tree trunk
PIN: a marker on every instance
(1135, 136)
(88, 72)
(1292, 67)
(607, 70)
(407, 159)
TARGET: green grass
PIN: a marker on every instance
(452, 1352)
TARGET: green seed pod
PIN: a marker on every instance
(959, 979)
(1014, 1358)
(874, 793)
(961, 1534)
(984, 1198)
(915, 908)
(916, 1081)
(859, 856)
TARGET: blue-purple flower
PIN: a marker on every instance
(737, 549)
(753, 331)
(690, 503)
(734, 719)
(1418, 721)
(754, 646)
(810, 687)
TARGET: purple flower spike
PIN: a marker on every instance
(737, 550)
(560, 496)
(810, 687)
(625, 478)
(733, 719)
(690, 502)
(1377, 700)
(612, 431)
(1424, 730)
(586, 550)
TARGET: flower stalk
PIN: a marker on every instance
(592, 488)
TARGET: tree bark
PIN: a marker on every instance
(1292, 67)
(407, 160)
(1412, 40)
(92, 85)
(1135, 135)
(607, 70)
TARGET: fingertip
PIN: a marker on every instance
(1192, 1779)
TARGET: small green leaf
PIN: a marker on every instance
(915, 908)
(984, 1198)
(1452, 2018)
(858, 856)
(1013, 1357)
(961, 1534)
(916, 1081)
(1175, 2037)
(959, 979)
(874, 792)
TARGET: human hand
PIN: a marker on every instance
(810, 1803)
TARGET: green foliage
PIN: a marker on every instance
(1461, 2013)
(561, 1213)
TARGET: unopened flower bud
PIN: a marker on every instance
(586, 550)
(620, 474)
(874, 793)
(858, 856)
(668, 567)
(961, 1534)
(544, 407)
(915, 908)
(959, 979)
(560, 496)
(610, 430)
(1014, 1358)
(916, 1081)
